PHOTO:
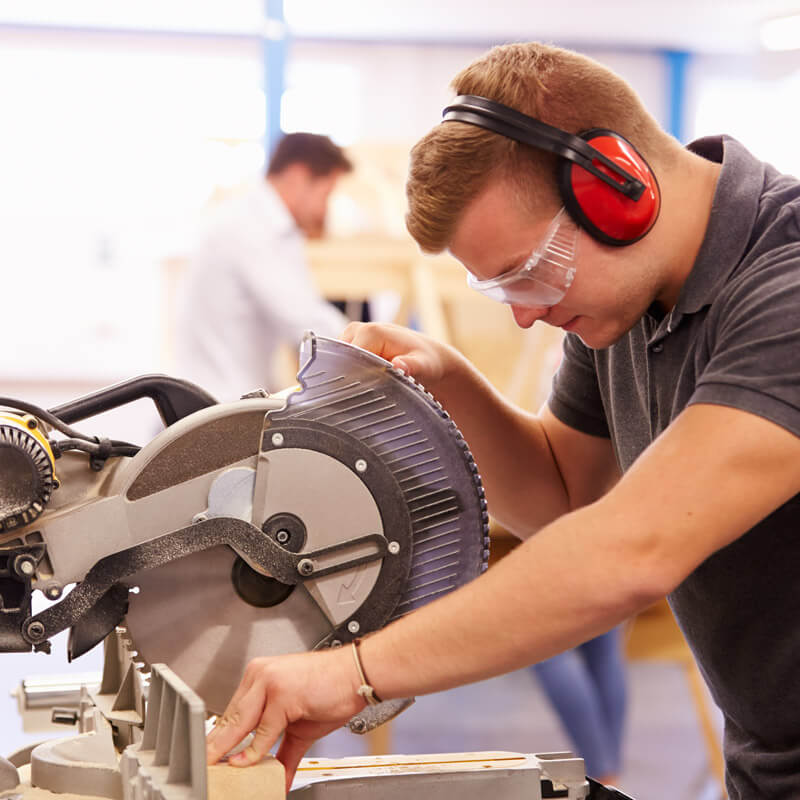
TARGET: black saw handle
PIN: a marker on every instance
(173, 397)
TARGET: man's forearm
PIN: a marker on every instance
(545, 597)
(511, 451)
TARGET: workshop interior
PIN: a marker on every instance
(154, 537)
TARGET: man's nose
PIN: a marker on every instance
(525, 316)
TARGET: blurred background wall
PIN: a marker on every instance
(121, 122)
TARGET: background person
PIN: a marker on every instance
(587, 688)
(667, 459)
(248, 288)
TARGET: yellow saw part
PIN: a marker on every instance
(27, 470)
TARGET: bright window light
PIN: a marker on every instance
(782, 33)
(233, 16)
(756, 112)
(107, 154)
(322, 98)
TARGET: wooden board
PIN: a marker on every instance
(263, 781)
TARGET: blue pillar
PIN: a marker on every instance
(677, 62)
(276, 47)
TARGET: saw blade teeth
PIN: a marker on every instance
(467, 454)
(139, 663)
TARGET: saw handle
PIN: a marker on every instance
(174, 398)
(373, 716)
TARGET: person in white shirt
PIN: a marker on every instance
(247, 289)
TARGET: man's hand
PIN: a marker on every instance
(303, 697)
(423, 358)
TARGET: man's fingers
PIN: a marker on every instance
(224, 736)
(401, 362)
(384, 340)
(234, 724)
(231, 710)
(240, 717)
(410, 364)
(276, 698)
(264, 736)
(366, 336)
(405, 349)
(350, 332)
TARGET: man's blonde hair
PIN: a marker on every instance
(455, 161)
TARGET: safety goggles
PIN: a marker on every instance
(544, 277)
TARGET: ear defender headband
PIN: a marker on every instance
(604, 182)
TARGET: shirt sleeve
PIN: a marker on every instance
(575, 394)
(753, 344)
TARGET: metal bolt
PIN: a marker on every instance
(53, 592)
(353, 626)
(199, 518)
(335, 643)
(361, 465)
(35, 630)
(277, 439)
(305, 566)
(393, 548)
(358, 725)
(25, 565)
(282, 537)
(33, 424)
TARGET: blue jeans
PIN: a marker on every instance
(587, 688)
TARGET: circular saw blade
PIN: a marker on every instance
(188, 615)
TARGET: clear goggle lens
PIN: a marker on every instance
(545, 276)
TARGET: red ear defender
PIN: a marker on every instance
(605, 213)
(606, 185)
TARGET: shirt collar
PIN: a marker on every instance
(733, 214)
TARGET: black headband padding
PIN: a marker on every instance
(512, 124)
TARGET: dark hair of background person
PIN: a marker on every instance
(317, 152)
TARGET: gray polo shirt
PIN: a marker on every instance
(732, 339)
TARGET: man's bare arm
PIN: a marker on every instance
(710, 477)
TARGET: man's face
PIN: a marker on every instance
(606, 297)
(311, 202)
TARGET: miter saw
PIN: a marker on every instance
(274, 524)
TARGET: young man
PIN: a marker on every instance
(667, 459)
(248, 289)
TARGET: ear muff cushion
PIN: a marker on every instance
(605, 213)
